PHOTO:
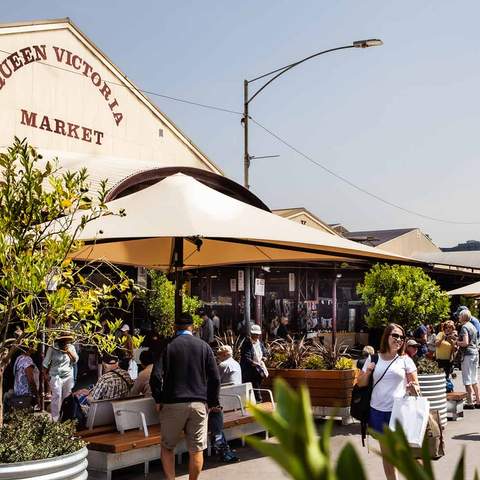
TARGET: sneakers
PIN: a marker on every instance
(229, 457)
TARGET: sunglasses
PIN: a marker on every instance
(397, 336)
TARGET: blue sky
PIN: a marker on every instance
(400, 121)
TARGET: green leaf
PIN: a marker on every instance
(349, 465)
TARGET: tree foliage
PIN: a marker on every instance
(43, 293)
(402, 294)
(161, 304)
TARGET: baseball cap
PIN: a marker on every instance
(412, 343)
(125, 328)
(255, 330)
(109, 359)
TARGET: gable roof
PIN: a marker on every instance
(124, 81)
(291, 213)
(377, 237)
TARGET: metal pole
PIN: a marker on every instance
(178, 264)
(246, 166)
(334, 311)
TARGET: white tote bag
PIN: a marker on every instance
(412, 413)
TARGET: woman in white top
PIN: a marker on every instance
(401, 374)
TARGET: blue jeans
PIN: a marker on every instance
(215, 427)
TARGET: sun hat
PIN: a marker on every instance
(65, 336)
(255, 330)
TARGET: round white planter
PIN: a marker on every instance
(433, 387)
(66, 467)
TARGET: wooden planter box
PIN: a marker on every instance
(328, 388)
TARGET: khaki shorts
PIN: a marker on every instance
(191, 418)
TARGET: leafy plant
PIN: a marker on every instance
(305, 456)
(43, 293)
(29, 437)
(344, 363)
(331, 354)
(402, 294)
(428, 366)
(233, 341)
(289, 353)
(314, 362)
(161, 303)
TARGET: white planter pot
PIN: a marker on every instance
(433, 387)
(66, 467)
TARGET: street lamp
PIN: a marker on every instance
(373, 42)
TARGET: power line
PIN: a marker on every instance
(354, 185)
(147, 92)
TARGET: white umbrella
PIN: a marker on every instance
(472, 290)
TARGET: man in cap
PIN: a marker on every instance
(113, 384)
(185, 384)
(411, 348)
(125, 352)
(58, 364)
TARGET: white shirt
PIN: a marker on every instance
(230, 371)
(393, 384)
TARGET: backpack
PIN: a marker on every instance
(72, 410)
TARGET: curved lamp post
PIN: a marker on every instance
(277, 73)
(373, 42)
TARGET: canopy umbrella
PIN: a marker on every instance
(182, 223)
(472, 290)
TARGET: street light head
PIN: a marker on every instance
(371, 42)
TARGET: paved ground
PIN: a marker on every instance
(464, 433)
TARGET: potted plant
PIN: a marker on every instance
(433, 386)
(328, 375)
(34, 445)
(43, 293)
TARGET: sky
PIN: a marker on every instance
(398, 121)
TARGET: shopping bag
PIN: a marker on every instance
(412, 413)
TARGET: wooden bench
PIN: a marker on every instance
(455, 402)
(136, 438)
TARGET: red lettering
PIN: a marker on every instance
(60, 127)
(15, 60)
(45, 125)
(27, 55)
(76, 62)
(88, 69)
(72, 130)
(87, 134)
(118, 118)
(68, 61)
(105, 91)
(96, 79)
(41, 52)
(113, 104)
(99, 136)
(4, 65)
(2, 83)
(29, 118)
(59, 53)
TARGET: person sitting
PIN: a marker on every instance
(230, 373)
(142, 383)
(229, 368)
(114, 383)
(26, 381)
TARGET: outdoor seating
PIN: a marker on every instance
(455, 402)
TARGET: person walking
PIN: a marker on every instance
(445, 347)
(58, 364)
(252, 356)
(468, 343)
(206, 330)
(185, 383)
(393, 374)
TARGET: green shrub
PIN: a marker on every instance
(344, 363)
(427, 366)
(314, 362)
(29, 437)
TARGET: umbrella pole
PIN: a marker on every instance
(178, 265)
(334, 312)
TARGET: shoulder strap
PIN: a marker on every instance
(386, 370)
(123, 378)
